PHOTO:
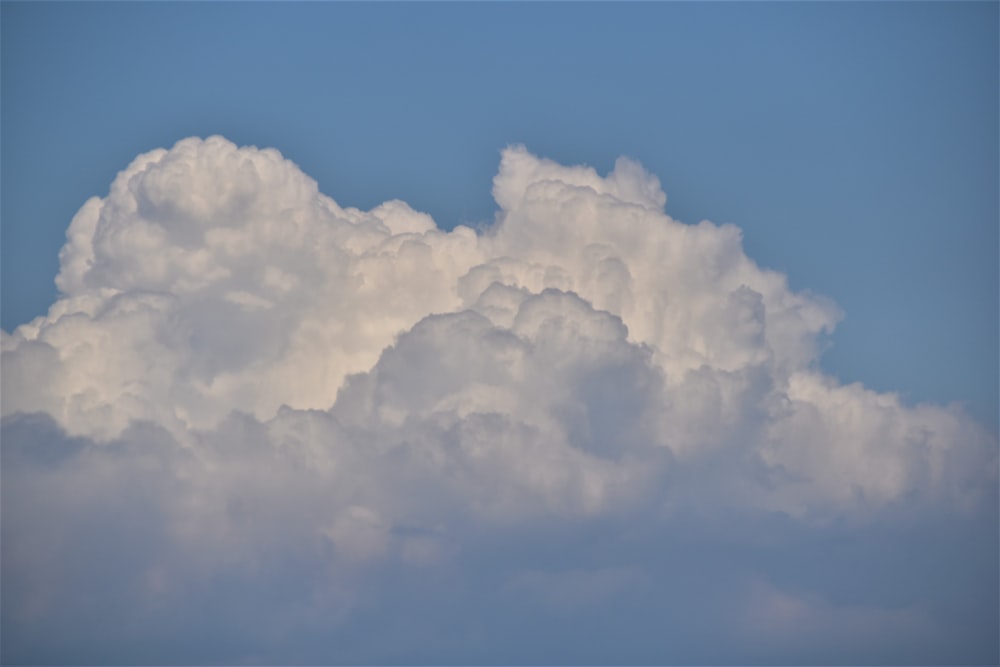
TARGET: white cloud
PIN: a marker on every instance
(293, 388)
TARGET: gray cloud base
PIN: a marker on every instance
(259, 426)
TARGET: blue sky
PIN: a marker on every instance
(586, 434)
(855, 145)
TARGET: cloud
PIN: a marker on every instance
(256, 425)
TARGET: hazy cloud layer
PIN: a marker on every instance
(260, 426)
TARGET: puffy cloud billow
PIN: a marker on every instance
(258, 426)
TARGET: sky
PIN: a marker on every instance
(563, 333)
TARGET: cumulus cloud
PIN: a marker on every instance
(256, 411)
